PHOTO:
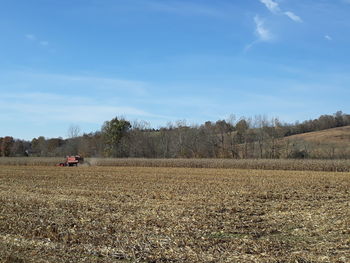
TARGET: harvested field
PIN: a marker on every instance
(140, 214)
(260, 164)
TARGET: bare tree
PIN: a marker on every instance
(73, 131)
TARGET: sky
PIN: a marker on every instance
(83, 62)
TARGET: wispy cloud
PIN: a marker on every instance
(30, 37)
(293, 16)
(328, 37)
(90, 98)
(50, 107)
(274, 8)
(44, 43)
(35, 39)
(261, 31)
(63, 83)
(271, 5)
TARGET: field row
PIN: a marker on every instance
(261, 164)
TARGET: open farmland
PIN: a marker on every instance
(140, 214)
(260, 164)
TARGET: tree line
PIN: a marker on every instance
(257, 137)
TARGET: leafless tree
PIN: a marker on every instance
(73, 131)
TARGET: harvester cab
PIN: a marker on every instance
(72, 161)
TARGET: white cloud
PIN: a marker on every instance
(57, 99)
(271, 5)
(275, 9)
(88, 83)
(36, 40)
(293, 16)
(328, 37)
(51, 107)
(262, 32)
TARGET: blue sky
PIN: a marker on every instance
(82, 62)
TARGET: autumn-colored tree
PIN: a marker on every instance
(6, 145)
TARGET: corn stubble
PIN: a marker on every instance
(139, 214)
(331, 165)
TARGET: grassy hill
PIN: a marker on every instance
(338, 136)
(326, 144)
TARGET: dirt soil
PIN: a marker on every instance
(137, 214)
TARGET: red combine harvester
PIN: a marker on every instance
(72, 161)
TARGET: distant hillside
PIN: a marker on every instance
(340, 135)
(246, 138)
